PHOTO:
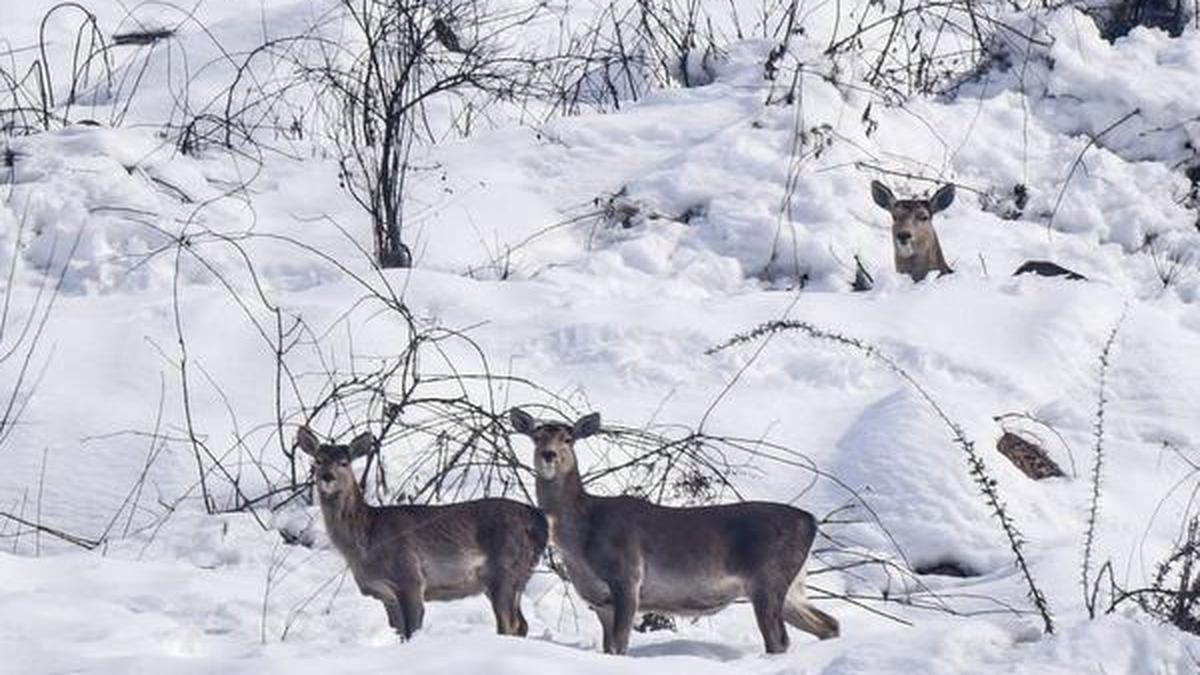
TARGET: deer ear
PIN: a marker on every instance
(307, 441)
(882, 195)
(942, 198)
(522, 422)
(362, 445)
(586, 426)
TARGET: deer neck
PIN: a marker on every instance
(939, 261)
(347, 520)
(565, 503)
(918, 264)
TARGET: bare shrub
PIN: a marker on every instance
(926, 47)
(31, 101)
(403, 58)
(1172, 264)
(1090, 584)
(1173, 596)
(631, 47)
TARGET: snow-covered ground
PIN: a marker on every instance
(618, 315)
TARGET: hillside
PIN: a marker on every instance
(185, 280)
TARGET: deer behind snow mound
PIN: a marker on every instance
(625, 554)
(405, 555)
(915, 245)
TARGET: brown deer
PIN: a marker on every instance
(625, 554)
(405, 555)
(915, 244)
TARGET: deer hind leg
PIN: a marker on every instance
(522, 626)
(505, 597)
(800, 612)
(519, 624)
(768, 611)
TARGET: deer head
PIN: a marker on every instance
(914, 242)
(554, 443)
(331, 463)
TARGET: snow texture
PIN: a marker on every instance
(602, 255)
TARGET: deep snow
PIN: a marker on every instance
(617, 317)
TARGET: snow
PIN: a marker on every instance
(601, 256)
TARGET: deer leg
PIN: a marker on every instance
(396, 618)
(625, 605)
(385, 593)
(519, 625)
(519, 618)
(500, 593)
(605, 614)
(768, 611)
(413, 608)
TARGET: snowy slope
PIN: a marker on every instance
(602, 255)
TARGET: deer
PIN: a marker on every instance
(915, 246)
(404, 555)
(625, 554)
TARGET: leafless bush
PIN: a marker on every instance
(33, 103)
(1172, 264)
(631, 47)
(404, 59)
(1173, 596)
(268, 103)
(926, 47)
(1091, 586)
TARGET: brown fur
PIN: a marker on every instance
(405, 555)
(916, 250)
(915, 246)
(625, 554)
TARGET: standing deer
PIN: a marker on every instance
(624, 554)
(914, 242)
(405, 555)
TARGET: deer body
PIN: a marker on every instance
(405, 555)
(625, 554)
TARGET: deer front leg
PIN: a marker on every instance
(396, 618)
(605, 614)
(624, 608)
(385, 593)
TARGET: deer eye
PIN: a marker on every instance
(343, 462)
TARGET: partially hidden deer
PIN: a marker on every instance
(916, 250)
(404, 555)
(625, 554)
(915, 246)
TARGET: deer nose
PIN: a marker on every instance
(548, 456)
(903, 237)
(326, 477)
